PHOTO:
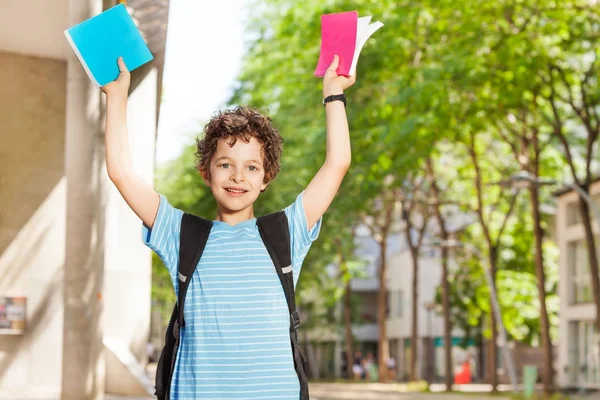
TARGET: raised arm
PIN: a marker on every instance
(138, 194)
(321, 191)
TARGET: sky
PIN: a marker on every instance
(204, 51)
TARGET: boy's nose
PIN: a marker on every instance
(237, 177)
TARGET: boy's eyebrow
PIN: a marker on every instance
(228, 158)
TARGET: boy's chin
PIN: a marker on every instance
(237, 203)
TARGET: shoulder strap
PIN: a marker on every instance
(275, 233)
(192, 240)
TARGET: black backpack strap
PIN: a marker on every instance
(192, 240)
(275, 233)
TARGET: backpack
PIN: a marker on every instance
(274, 231)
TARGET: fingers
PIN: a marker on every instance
(122, 66)
(335, 63)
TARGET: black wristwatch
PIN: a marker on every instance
(335, 97)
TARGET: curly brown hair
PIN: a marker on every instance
(241, 123)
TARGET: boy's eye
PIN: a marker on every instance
(253, 168)
(225, 165)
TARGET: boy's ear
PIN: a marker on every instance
(263, 186)
(205, 177)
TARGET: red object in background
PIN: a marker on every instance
(464, 376)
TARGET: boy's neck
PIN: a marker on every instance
(234, 218)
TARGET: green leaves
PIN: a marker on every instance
(438, 75)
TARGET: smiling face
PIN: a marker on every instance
(236, 175)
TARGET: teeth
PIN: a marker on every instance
(235, 191)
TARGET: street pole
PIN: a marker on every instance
(429, 374)
(510, 366)
(496, 309)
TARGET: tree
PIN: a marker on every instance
(573, 93)
(444, 235)
(379, 221)
(485, 215)
(524, 139)
(413, 198)
(549, 45)
(516, 282)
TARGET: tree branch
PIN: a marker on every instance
(506, 217)
(558, 131)
(478, 188)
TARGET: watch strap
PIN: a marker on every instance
(335, 97)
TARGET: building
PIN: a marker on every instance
(74, 276)
(577, 366)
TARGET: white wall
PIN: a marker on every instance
(400, 277)
(579, 312)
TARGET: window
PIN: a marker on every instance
(580, 286)
(400, 304)
(573, 215)
(582, 369)
(581, 290)
(395, 304)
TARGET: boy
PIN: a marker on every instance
(235, 344)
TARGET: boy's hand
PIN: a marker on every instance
(121, 84)
(334, 83)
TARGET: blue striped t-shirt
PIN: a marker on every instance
(236, 342)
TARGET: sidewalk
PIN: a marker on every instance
(380, 391)
(399, 391)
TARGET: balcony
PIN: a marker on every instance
(365, 285)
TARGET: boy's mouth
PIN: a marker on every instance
(235, 190)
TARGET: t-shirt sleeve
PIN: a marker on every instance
(300, 236)
(163, 238)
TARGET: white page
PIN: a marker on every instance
(363, 32)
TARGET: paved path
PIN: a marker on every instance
(401, 396)
(361, 391)
(371, 391)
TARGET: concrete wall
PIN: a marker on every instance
(32, 218)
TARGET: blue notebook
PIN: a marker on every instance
(100, 40)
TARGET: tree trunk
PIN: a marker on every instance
(445, 284)
(313, 363)
(541, 280)
(383, 345)
(584, 210)
(492, 344)
(447, 322)
(414, 341)
(348, 330)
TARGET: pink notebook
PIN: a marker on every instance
(343, 34)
